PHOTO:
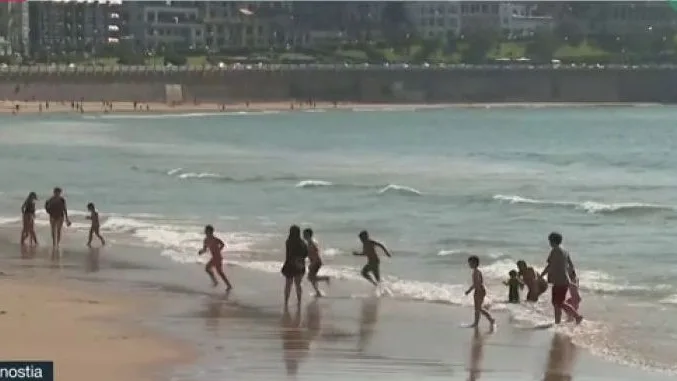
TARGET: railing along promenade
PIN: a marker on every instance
(71, 70)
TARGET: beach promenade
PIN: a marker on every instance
(124, 313)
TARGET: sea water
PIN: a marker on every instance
(434, 185)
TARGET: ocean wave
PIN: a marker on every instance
(401, 189)
(592, 207)
(183, 174)
(313, 184)
(180, 115)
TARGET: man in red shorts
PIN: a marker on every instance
(558, 269)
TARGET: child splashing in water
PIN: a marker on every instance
(480, 292)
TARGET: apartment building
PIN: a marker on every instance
(617, 18)
(435, 19)
(480, 15)
(240, 24)
(61, 27)
(519, 20)
(155, 24)
(13, 27)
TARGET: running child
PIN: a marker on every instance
(373, 262)
(94, 229)
(514, 285)
(480, 292)
(215, 246)
(315, 261)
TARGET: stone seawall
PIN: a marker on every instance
(369, 85)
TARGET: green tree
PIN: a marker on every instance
(396, 26)
(543, 45)
(479, 44)
(570, 31)
(171, 56)
(450, 43)
(427, 51)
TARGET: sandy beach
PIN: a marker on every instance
(247, 335)
(34, 107)
(85, 333)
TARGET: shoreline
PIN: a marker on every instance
(154, 108)
(88, 334)
(247, 335)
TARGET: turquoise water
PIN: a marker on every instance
(433, 185)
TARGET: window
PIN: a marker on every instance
(440, 22)
(453, 9)
(431, 22)
(453, 23)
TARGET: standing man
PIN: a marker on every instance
(559, 268)
(56, 208)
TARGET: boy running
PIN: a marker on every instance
(214, 245)
(94, 229)
(315, 261)
(373, 262)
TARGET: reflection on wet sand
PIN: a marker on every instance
(560, 359)
(92, 264)
(368, 321)
(476, 355)
(55, 257)
(28, 252)
(295, 340)
(214, 311)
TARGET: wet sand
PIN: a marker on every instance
(247, 335)
(33, 107)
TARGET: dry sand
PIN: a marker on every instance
(33, 107)
(81, 332)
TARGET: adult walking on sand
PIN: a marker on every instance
(294, 267)
(560, 270)
(58, 214)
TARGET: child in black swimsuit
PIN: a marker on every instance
(28, 218)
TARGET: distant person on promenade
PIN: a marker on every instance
(94, 228)
(28, 219)
(58, 214)
(215, 246)
(315, 261)
(373, 262)
(559, 269)
(480, 292)
(294, 267)
(535, 286)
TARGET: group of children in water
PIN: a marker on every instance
(560, 270)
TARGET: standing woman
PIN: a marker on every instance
(294, 267)
(28, 218)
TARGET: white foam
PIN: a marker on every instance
(399, 189)
(672, 299)
(588, 206)
(444, 253)
(331, 252)
(313, 184)
(201, 175)
(9, 220)
(174, 171)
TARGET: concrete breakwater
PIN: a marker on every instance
(432, 85)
